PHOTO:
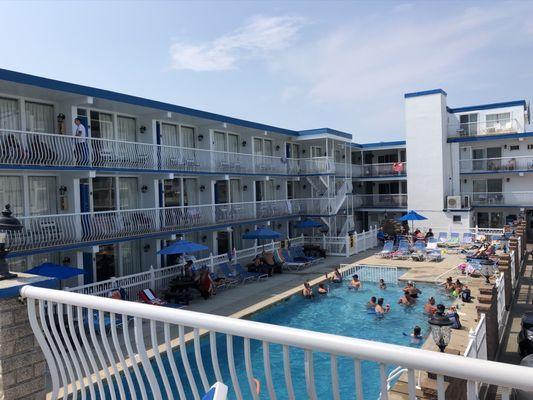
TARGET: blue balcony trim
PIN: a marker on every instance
(325, 131)
(488, 106)
(425, 93)
(156, 235)
(489, 137)
(26, 79)
(368, 146)
(148, 171)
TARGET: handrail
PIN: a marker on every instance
(510, 376)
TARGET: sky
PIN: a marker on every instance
(297, 65)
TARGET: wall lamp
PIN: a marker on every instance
(142, 129)
(278, 187)
(146, 248)
(277, 147)
(66, 261)
(200, 137)
(62, 190)
(243, 143)
(204, 239)
(144, 188)
(244, 188)
(202, 188)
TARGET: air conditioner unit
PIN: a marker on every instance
(453, 202)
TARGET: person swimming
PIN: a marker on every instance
(382, 284)
(416, 336)
(307, 291)
(337, 277)
(355, 283)
(380, 311)
(322, 289)
(412, 289)
(372, 303)
(406, 299)
(430, 307)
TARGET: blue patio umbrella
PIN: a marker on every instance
(262, 233)
(307, 224)
(412, 216)
(183, 247)
(57, 271)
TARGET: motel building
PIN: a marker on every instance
(149, 172)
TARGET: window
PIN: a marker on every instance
(233, 143)
(130, 257)
(530, 146)
(11, 193)
(104, 194)
(316, 151)
(497, 121)
(126, 129)
(9, 114)
(39, 117)
(235, 191)
(387, 158)
(263, 147)
(101, 125)
(468, 124)
(220, 141)
(128, 193)
(42, 194)
(456, 219)
(487, 185)
(170, 135)
(190, 194)
(187, 137)
(514, 147)
(172, 192)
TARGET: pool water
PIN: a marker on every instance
(340, 312)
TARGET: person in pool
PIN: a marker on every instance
(337, 277)
(416, 336)
(322, 289)
(307, 292)
(372, 303)
(379, 307)
(355, 283)
(382, 284)
(406, 299)
(412, 289)
(430, 307)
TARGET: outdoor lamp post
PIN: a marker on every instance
(441, 328)
(7, 224)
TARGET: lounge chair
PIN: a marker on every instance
(433, 252)
(453, 241)
(403, 251)
(419, 251)
(223, 282)
(442, 238)
(468, 239)
(254, 275)
(291, 263)
(387, 250)
(148, 296)
(299, 255)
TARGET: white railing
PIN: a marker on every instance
(132, 362)
(380, 170)
(512, 265)
(51, 150)
(477, 348)
(159, 278)
(65, 229)
(371, 273)
(381, 200)
(500, 164)
(517, 198)
(502, 311)
(496, 127)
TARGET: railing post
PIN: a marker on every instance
(152, 278)
(347, 242)
(211, 264)
(364, 240)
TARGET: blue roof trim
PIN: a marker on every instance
(425, 93)
(490, 137)
(323, 131)
(488, 106)
(53, 84)
(383, 144)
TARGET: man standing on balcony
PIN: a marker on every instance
(82, 151)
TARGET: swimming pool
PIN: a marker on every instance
(341, 312)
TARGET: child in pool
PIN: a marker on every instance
(416, 336)
(382, 284)
(322, 289)
(307, 292)
(355, 283)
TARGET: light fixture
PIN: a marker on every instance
(279, 226)
(278, 187)
(62, 190)
(344, 156)
(200, 137)
(7, 224)
(244, 188)
(60, 117)
(508, 179)
(146, 248)
(464, 181)
(66, 261)
(304, 187)
(142, 129)
(246, 230)
(277, 147)
(202, 188)
(144, 188)
(204, 239)
(440, 326)
(303, 151)
(243, 143)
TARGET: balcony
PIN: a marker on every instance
(496, 165)
(396, 201)
(31, 149)
(84, 229)
(496, 127)
(385, 170)
(510, 199)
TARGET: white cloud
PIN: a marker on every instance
(261, 37)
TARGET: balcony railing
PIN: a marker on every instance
(71, 229)
(51, 150)
(379, 170)
(497, 127)
(380, 200)
(500, 164)
(518, 199)
(68, 328)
